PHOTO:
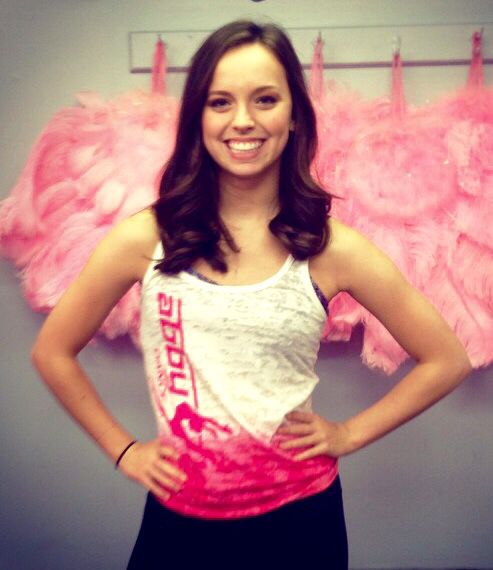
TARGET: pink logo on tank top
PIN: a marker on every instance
(190, 426)
(179, 373)
(175, 392)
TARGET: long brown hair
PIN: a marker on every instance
(187, 208)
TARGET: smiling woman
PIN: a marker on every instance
(245, 82)
(247, 118)
(237, 259)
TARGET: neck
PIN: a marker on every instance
(248, 199)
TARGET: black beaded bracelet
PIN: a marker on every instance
(117, 462)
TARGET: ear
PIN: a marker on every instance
(291, 125)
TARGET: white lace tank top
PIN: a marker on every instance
(225, 364)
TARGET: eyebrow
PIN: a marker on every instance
(262, 88)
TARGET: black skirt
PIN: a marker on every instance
(306, 531)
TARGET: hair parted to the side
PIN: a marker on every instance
(187, 208)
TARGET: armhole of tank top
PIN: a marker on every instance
(305, 274)
(157, 255)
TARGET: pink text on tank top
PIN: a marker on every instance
(180, 370)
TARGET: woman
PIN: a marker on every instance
(231, 319)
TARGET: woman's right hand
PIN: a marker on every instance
(150, 465)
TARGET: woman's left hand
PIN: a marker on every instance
(320, 435)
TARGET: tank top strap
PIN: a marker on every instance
(300, 269)
(157, 255)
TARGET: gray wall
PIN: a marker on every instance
(420, 498)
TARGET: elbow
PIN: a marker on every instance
(41, 348)
(466, 368)
(450, 371)
(464, 363)
(38, 355)
(50, 364)
(46, 350)
(460, 368)
(41, 355)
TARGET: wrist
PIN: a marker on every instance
(124, 451)
(113, 441)
(354, 440)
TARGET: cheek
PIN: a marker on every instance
(280, 123)
(211, 124)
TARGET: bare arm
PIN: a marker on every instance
(70, 326)
(442, 363)
(111, 270)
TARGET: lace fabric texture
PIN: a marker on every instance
(225, 364)
(323, 299)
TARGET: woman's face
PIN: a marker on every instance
(247, 114)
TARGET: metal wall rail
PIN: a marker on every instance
(339, 38)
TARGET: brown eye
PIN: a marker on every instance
(218, 103)
(267, 99)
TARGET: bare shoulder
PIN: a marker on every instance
(331, 267)
(135, 238)
(139, 231)
(349, 252)
(371, 277)
(360, 267)
(119, 260)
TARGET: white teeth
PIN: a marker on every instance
(235, 145)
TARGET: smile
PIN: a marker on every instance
(244, 146)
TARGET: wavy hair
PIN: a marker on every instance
(187, 208)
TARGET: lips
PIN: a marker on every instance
(244, 149)
(244, 146)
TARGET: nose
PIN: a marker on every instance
(242, 119)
